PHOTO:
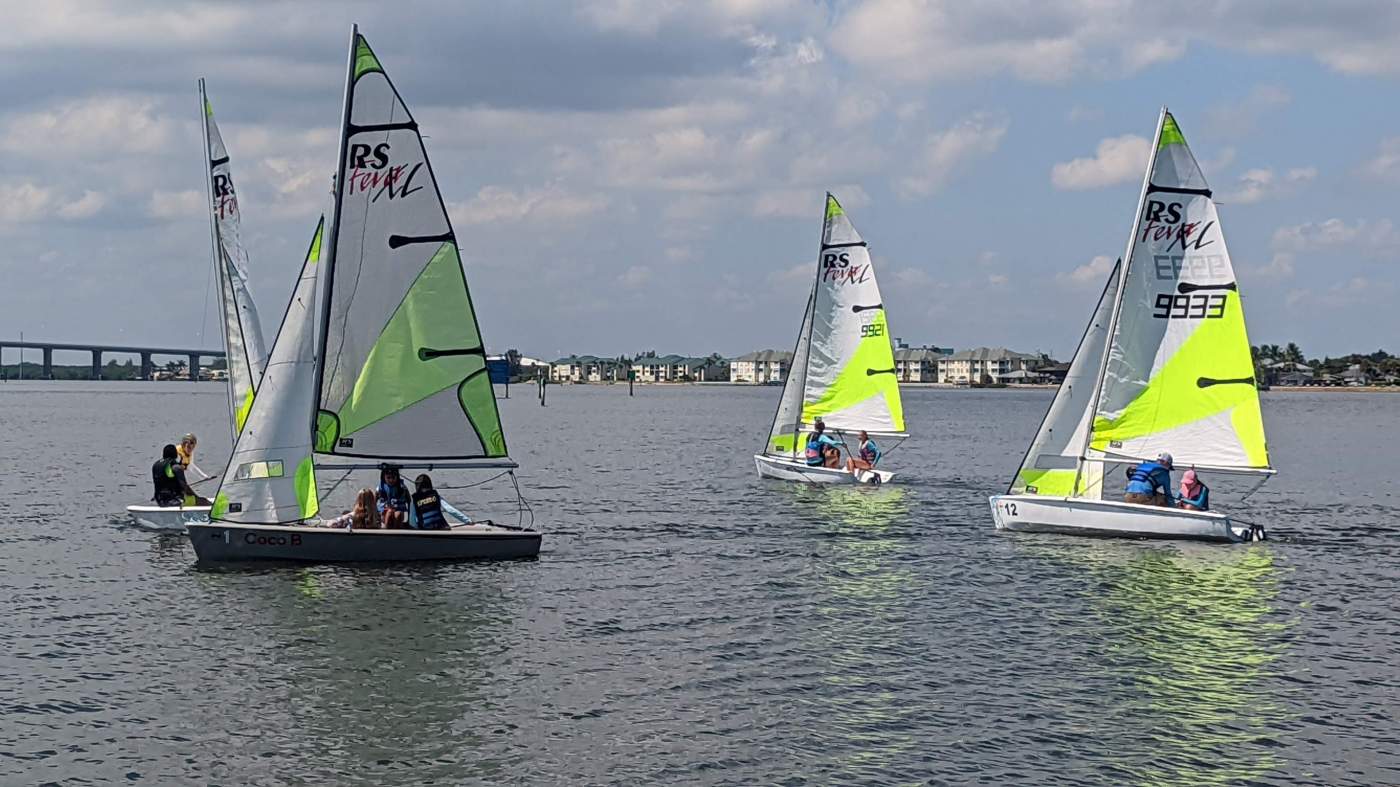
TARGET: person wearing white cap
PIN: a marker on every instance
(1150, 483)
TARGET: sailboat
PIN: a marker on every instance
(379, 361)
(1164, 366)
(843, 368)
(244, 349)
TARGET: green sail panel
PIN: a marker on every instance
(1180, 375)
(404, 370)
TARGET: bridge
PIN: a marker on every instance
(98, 350)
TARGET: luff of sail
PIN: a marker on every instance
(404, 368)
(1052, 462)
(271, 478)
(246, 352)
(1179, 375)
(850, 381)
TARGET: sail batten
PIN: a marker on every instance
(403, 370)
(245, 350)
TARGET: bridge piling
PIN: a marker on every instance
(48, 363)
(97, 364)
(194, 368)
(146, 369)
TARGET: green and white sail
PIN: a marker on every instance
(245, 350)
(843, 371)
(1052, 463)
(1179, 375)
(271, 478)
(404, 373)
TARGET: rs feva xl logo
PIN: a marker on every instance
(370, 171)
(225, 200)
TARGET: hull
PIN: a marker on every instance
(1113, 519)
(221, 541)
(793, 470)
(173, 519)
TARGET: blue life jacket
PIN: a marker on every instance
(869, 452)
(429, 509)
(1148, 477)
(395, 497)
(814, 450)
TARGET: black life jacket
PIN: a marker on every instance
(168, 489)
(429, 509)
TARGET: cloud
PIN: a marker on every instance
(95, 127)
(84, 207)
(1241, 116)
(943, 153)
(1385, 165)
(1116, 160)
(998, 279)
(635, 276)
(1256, 185)
(1374, 238)
(176, 204)
(494, 204)
(1091, 273)
(22, 203)
(806, 203)
(1353, 292)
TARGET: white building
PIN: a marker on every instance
(918, 364)
(985, 365)
(763, 366)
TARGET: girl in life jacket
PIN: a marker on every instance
(430, 511)
(393, 498)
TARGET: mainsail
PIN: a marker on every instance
(1179, 375)
(403, 376)
(843, 370)
(271, 478)
(1052, 462)
(243, 340)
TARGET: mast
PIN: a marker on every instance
(1118, 298)
(327, 271)
(217, 250)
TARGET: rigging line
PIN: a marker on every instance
(204, 318)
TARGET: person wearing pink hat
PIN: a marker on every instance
(1195, 496)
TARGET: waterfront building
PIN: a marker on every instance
(918, 364)
(763, 366)
(985, 365)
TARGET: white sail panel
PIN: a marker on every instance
(784, 437)
(850, 381)
(1180, 375)
(271, 477)
(1053, 461)
(400, 334)
(243, 339)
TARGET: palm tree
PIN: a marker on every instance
(1292, 353)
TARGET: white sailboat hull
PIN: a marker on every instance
(797, 470)
(216, 542)
(169, 519)
(1113, 519)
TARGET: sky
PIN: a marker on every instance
(628, 175)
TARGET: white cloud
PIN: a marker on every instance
(1116, 160)
(1376, 238)
(806, 203)
(943, 153)
(84, 207)
(551, 203)
(1091, 273)
(95, 127)
(997, 279)
(1256, 185)
(635, 276)
(1385, 165)
(1243, 115)
(176, 204)
(22, 203)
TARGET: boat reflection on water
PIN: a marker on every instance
(1186, 638)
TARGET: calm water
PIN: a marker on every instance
(689, 623)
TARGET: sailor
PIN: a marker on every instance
(1195, 496)
(168, 478)
(868, 455)
(430, 511)
(822, 451)
(186, 450)
(1150, 483)
(393, 498)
